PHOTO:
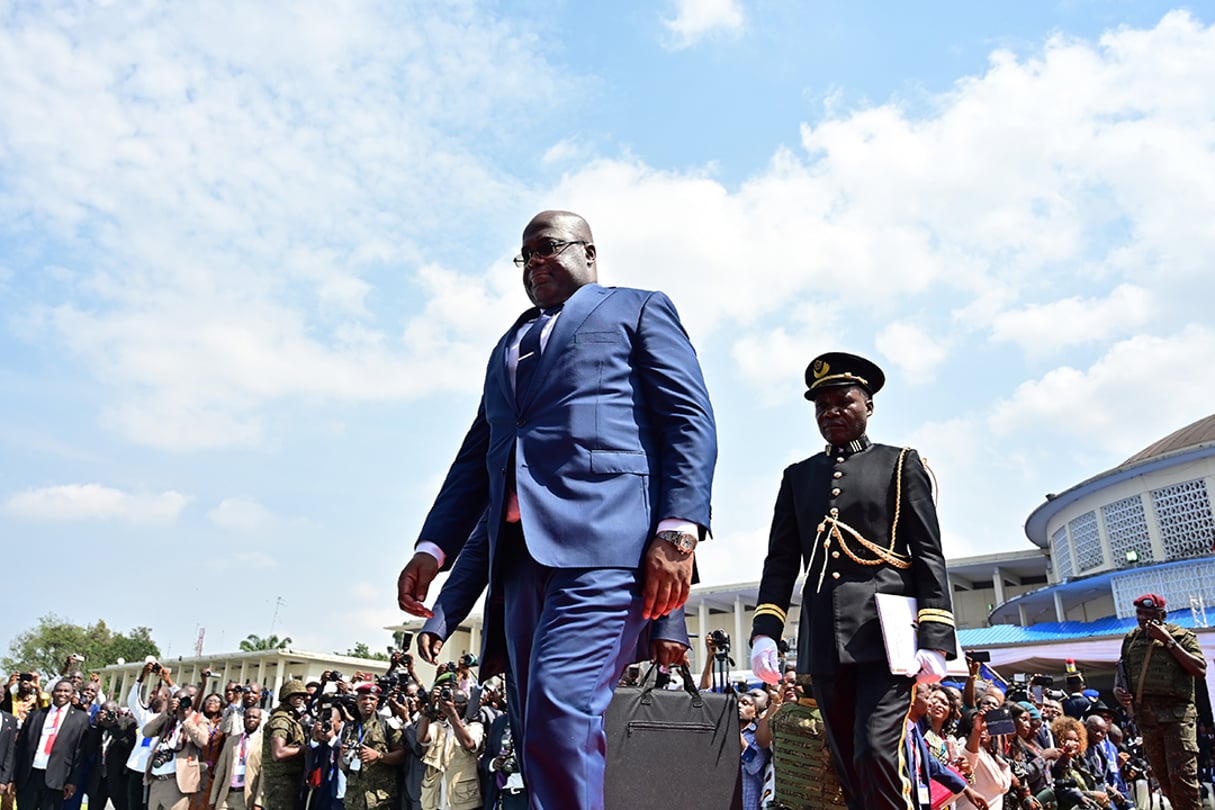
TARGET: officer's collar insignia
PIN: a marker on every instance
(854, 446)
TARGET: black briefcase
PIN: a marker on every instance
(672, 748)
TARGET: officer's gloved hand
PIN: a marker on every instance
(932, 666)
(765, 660)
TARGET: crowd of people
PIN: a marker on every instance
(394, 743)
(368, 741)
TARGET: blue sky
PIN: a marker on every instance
(253, 257)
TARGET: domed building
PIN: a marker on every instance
(1144, 526)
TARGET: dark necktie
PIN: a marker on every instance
(529, 352)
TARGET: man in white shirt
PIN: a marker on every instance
(49, 752)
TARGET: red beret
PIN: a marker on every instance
(367, 689)
(1150, 601)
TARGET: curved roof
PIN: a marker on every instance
(1195, 440)
(1200, 432)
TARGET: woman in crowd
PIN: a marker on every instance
(1030, 764)
(992, 776)
(1075, 785)
(210, 714)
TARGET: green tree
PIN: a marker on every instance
(46, 646)
(254, 643)
(361, 650)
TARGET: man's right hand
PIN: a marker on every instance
(429, 646)
(1124, 697)
(414, 582)
(765, 659)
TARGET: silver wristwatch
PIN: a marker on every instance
(684, 541)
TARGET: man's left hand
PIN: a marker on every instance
(668, 653)
(932, 666)
(667, 573)
(1159, 632)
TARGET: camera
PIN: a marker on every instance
(184, 703)
(26, 676)
(999, 722)
(468, 660)
(161, 757)
(446, 695)
(208, 673)
(334, 676)
(720, 639)
(155, 667)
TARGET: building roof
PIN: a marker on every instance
(1005, 635)
(1192, 442)
(1195, 433)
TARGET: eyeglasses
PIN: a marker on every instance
(551, 247)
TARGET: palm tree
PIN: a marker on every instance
(255, 643)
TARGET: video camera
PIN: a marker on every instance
(720, 640)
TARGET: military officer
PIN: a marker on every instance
(372, 752)
(283, 746)
(1160, 663)
(861, 518)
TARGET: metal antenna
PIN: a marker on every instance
(278, 603)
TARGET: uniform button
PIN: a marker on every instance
(835, 574)
(837, 474)
(839, 460)
(835, 491)
(835, 554)
(521, 423)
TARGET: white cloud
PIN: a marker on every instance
(1075, 321)
(696, 20)
(241, 514)
(252, 246)
(75, 502)
(1122, 402)
(912, 350)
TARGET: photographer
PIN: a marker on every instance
(142, 714)
(404, 706)
(371, 754)
(284, 739)
(172, 772)
(24, 695)
(114, 735)
(502, 783)
(452, 747)
(322, 769)
(992, 775)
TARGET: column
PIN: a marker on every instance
(738, 645)
(1060, 615)
(1022, 617)
(997, 580)
(244, 663)
(474, 638)
(261, 672)
(278, 677)
(702, 623)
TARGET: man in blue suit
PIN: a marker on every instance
(592, 452)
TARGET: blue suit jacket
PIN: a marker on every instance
(615, 434)
(470, 576)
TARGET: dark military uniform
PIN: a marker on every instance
(373, 786)
(862, 520)
(1165, 711)
(282, 782)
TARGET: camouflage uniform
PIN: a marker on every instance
(373, 786)
(282, 782)
(1166, 713)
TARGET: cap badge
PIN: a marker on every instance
(820, 369)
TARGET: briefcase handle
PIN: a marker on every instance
(650, 679)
